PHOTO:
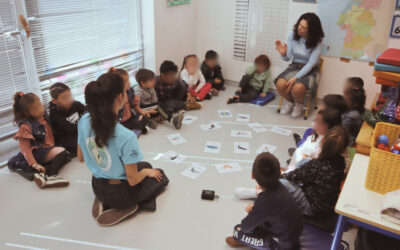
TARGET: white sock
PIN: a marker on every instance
(244, 193)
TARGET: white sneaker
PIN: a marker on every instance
(297, 110)
(40, 179)
(56, 181)
(287, 108)
(243, 193)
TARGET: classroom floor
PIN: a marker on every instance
(61, 218)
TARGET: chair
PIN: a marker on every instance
(309, 93)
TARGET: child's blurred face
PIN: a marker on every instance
(149, 84)
(64, 100)
(36, 109)
(169, 78)
(261, 68)
(347, 86)
(192, 63)
(320, 126)
(211, 63)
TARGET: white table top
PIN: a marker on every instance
(359, 203)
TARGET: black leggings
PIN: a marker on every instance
(121, 196)
(167, 108)
(247, 94)
(134, 123)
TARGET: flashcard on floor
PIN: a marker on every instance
(266, 148)
(241, 147)
(189, 119)
(224, 113)
(225, 168)
(243, 118)
(174, 156)
(193, 171)
(210, 126)
(281, 131)
(212, 147)
(241, 133)
(176, 138)
(257, 127)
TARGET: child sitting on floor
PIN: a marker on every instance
(39, 159)
(212, 72)
(131, 115)
(65, 113)
(191, 75)
(273, 220)
(315, 185)
(256, 81)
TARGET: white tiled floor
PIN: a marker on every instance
(61, 218)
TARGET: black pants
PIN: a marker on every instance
(121, 196)
(168, 107)
(216, 85)
(247, 94)
(259, 239)
(134, 123)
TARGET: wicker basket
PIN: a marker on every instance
(384, 167)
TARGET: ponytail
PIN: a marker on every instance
(21, 106)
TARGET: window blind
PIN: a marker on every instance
(12, 67)
(76, 41)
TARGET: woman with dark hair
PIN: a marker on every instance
(121, 183)
(303, 47)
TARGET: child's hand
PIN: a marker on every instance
(217, 80)
(154, 173)
(140, 118)
(39, 168)
(263, 95)
(249, 207)
(281, 47)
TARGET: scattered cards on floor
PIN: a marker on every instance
(243, 118)
(193, 171)
(224, 113)
(212, 147)
(241, 133)
(257, 127)
(266, 148)
(241, 147)
(189, 119)
(210, 126)
(225, 168)
(176, 138)
(281, 131)
(174, 156)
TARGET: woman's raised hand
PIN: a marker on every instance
(281, 47)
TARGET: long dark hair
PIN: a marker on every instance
(357, 98)
(21, 106)
(100, 96)
(335, 143)
(315, 32)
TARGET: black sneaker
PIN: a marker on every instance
(291, 151)
(145, 130)
(208, 96)
(177, 119)
(232, 100)
(296, 137)
(152, 123)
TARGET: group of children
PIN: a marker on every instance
(309, 185)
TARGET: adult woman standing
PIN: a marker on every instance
(303, 47)
(121, 183)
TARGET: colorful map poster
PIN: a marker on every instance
(355, 29)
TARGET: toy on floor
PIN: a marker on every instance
(208, 195)
(382, 143)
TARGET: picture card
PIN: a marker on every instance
(193, 171)
(224, 113)
(210, 126)
(174, 156)
(241, 133)
(266, 148)
(243, 118)
(257, 127)
(188, 119)
(176, 139)
(241, 147)
(281, 131)
(212, 147)
(224, 168)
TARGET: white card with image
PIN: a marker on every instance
(241, 147)
(188, 119)
(224, 113)
(212, 147)
(225, 168)
(266, 148)
(281, 131)
(174, 157)
(257, 127)
(193, 171)
(176, 138)
(210, 126)
(241, 133)
(243, 118)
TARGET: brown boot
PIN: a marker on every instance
(97, 208)
(112, 216)
(193, 106)
(232, 242)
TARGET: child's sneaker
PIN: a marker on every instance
(208, 96)
(243, 193)
(42, 180)
(232, 100)
(97, 208)
(291, 151)
(145, 130)
(112, 216)
(214, 92)
(288, 108)
(296, 137)
(297, 110)
(152, 123)
(177, 119)
(193, 106)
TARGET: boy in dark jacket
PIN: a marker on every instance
(65, 113)
(212, 71)
(274, 220)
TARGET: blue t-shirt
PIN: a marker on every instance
(108, 162)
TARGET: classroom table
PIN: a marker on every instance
(360, 206)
